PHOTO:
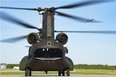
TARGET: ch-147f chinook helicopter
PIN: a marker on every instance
(47, 53)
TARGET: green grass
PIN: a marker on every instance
(76, 71)
(94, 71)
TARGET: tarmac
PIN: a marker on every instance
(73, 75)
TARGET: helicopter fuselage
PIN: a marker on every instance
(47, 58)
(47, 53)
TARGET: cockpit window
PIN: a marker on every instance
(48, 53)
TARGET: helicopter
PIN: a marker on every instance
(46, 52)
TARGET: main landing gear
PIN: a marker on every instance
(28, 72)
(62, 73)
(66, 72)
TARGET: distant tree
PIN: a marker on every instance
(79, 66)
(10, 66)
(85, 66)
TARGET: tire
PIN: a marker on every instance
(59, 73)
(46, 72)
(30, 73)
(26, 72)
(68, 72)
(63, 73)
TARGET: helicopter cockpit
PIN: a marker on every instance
(53, 53)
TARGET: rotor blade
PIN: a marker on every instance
(12, 40)
(81, 19)
(34, 9)
(97, 32)
(12, 19)
(83, 3)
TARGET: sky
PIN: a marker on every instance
(83, 48)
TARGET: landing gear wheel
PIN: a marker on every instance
(30, 73)
(26, 72)
(68, 72)
(59, 73)
(63, 73)
(46, 72)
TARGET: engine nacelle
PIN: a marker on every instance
(62, 38)
(32, 38)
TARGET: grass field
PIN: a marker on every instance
(76, 71)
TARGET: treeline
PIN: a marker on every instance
(79, 66)
(85, 66)
(10, 66)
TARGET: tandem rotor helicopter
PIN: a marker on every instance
(47, 53)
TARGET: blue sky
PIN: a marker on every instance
(83, 48)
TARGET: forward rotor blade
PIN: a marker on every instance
(96, 32)
(34, 9)
(12, 19)
(84, 3)
(81, 19)
(12, 40)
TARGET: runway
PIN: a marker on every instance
(73, 75)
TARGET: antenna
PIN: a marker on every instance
(41, 18)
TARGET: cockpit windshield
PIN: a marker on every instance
(48, 53)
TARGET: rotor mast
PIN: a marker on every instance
(48, 24)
